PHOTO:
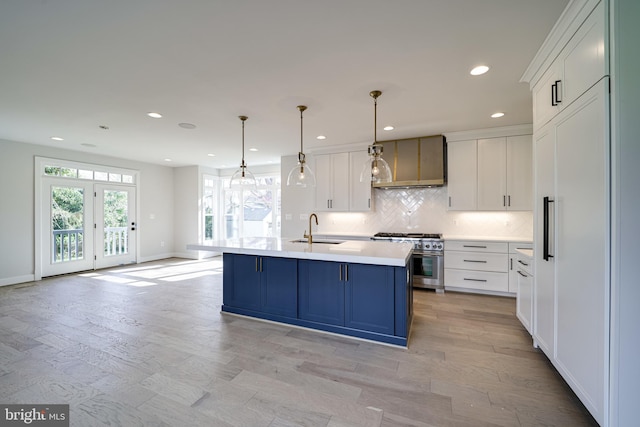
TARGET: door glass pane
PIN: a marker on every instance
(232, 214)
(67, 224)
(116, 220)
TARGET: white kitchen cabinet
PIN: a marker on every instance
(476, 266)
(579, 66)
(524, 297)
(513, 263)
(332, 182)
(571, 295)
(359, 191)
(505, 173)
(462, 180)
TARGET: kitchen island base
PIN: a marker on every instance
(372, 302)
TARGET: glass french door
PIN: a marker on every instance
(86, 226)
(67, 227)
(116, 226)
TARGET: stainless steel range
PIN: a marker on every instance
(428, 257)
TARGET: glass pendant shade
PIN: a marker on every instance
(375, 168)
(242, 179)
(301, 175)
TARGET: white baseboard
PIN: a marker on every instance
(158, 257)
(18, 279)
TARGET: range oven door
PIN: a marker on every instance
(428, 270)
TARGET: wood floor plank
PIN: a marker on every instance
(147, 345)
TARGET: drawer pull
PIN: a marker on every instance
(474, 260)
(521, 273)
(523, 263)
(474, 246)
(474, 280)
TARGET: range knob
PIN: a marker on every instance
(427, 246)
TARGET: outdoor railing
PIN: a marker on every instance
(68, 245)
(116, 241)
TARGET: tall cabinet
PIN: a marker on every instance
(572, 202)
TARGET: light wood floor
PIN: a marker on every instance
(146, 345)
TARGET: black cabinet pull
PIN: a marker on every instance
(474, 246)
(523, 263)
(474, 280)
(474, 260)
(521, 273)
(545, 229)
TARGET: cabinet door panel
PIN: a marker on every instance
(321, 297)
(544, 270)
(582, 244)
(279, 291)
(369, 303)
(242, 281)
(492, 177)
(340, 175)
(543, 108)
(359, 191)
(323, 182)
(462, 169)
(519, 173)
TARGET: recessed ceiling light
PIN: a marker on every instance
(253, 149)
(187, 125)
(154, 115)
(321, 137)
(211, 155)
(480, 69)
(496, 115)
(388, 128)
(57, 138)
(167, 160)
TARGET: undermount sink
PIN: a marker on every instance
(320, 241)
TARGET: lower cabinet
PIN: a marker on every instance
(265, 284)
(361, 300)
(524, 298)
(356, 296)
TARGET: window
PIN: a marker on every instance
(253, 213)
(209, 208)
(97, 174)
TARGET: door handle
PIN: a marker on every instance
(545, 229)
(133, 226)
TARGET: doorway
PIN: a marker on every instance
(82, 224)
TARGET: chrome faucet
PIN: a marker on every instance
(309, 236)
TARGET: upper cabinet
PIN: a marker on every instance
(580, 65)
(493, 174)
(338, 186)
(505, 180)
(463, 175)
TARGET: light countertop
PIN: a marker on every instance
(356, 251)
(519, 239)
(526, 252)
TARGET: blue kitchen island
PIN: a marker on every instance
(357, 288)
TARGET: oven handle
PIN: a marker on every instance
(423, 253)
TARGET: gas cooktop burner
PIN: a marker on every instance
(410, 235)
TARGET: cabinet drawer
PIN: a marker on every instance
(480, 280)
(515, 245)
(525, 264)
(477, 261)
(471, 246)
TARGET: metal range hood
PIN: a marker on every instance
(416, 162)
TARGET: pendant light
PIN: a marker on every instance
(301, 175)
(375, 168)
(242, 179)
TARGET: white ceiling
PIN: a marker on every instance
(69, 66)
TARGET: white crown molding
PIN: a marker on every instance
(465, 135)
(572, 17)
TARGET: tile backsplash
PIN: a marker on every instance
(425, 210)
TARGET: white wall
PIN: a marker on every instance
(625, 335)
(17, 206)
(186, 209)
